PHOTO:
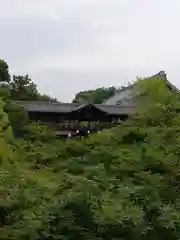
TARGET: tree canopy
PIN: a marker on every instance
(18, 88)
(96, 96)
(4, 72)
(122, 183)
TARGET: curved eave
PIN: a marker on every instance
(172, 87)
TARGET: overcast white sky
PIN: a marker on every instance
(71, 45)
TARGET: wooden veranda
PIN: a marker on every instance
(72, 119)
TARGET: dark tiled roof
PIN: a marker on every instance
(126, 94)
(116, 109)
(69, 107)
(123, 98)
(47, 106)
(120, 95)
(171, 86)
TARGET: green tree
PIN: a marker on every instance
(96, 96)
(22, 88)
(122, 183)
(5, 127)
(44, 97)
(4, 72)
(125, 184)
(18, 118)
(6, 136)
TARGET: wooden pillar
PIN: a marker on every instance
(78, 119)
(69, 123)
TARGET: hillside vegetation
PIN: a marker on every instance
(122, 183)
(96, 96)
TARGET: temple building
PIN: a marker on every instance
(69, 119)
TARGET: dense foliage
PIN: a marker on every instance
(122, 183)
(96, 96)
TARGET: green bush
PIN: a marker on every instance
(18, 118)
(38, 132)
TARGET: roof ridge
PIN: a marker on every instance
(44, 102)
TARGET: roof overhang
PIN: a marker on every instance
(90, 107)
(67, 108)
